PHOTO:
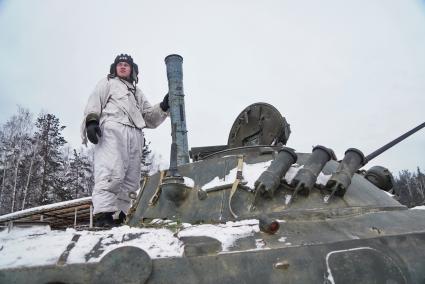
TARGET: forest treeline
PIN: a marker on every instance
(38, 166)
(410, 187)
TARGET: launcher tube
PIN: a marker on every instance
(176, 101)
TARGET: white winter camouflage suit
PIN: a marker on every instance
(117, 156)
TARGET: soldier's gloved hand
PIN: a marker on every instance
(93, 130)
(164, 104)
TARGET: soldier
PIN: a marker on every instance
(115, 114)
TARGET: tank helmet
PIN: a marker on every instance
(125, 58)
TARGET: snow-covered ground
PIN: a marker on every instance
(42, 246)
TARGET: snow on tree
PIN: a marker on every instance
(410, 188)
(152, 161)
(52, 162)
(146, 159)
(37, 166)
(15, 143)
(79, 176)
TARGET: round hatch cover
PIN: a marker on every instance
(259, 124)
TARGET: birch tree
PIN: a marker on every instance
(39, 167)
(14, 141)
(410, 187)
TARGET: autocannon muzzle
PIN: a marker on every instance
(306, 177)
(341, 179)
(269, 180)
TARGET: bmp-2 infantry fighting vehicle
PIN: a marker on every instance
(251, 211)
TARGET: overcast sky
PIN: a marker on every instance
(344, 73)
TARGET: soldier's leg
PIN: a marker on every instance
(131, 180)
(110, 159)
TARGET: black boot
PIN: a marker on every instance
(121, 219)
(104, 220)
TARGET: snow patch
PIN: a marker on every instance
(293, 170)
(36, 246)
(421, 207)
(323, 179)
(389, 194)
(188, 182)
(158, 243)
(227, 233)
(250, 173)
(30, 246)
(260, 243)
(282, 239)
(288, 198)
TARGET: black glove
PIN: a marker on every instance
(164, 104)
(93, 129)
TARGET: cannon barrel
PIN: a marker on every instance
(392, 143)
(354, 160)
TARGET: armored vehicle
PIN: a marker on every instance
(250, 211)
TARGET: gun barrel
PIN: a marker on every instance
(392, 143)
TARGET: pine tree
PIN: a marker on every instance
(37, 168)
(146, 159)
(79, 177)
(51, 163)
(152, 161)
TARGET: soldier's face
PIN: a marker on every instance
(123, 70)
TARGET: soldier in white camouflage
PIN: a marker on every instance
(115, 114)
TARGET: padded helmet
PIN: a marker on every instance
(125, 58)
